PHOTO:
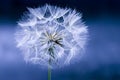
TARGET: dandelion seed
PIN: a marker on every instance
(51, 35)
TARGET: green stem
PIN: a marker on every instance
(49, 70)
(49, 73)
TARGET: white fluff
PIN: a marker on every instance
(51, 33)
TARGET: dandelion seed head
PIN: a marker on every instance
(50, 35)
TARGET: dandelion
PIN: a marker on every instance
(51, 36)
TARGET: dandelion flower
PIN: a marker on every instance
(50, 35)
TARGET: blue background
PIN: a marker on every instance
(101, 60)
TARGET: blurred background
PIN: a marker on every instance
(101, 60)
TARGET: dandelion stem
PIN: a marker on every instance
(49, 70)
(49, 73)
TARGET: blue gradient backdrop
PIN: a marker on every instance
(101, 60)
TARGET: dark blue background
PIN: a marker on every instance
(101, 60)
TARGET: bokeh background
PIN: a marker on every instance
(101, 60)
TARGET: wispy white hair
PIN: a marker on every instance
(50, 35)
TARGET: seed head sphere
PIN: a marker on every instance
(50, 35)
